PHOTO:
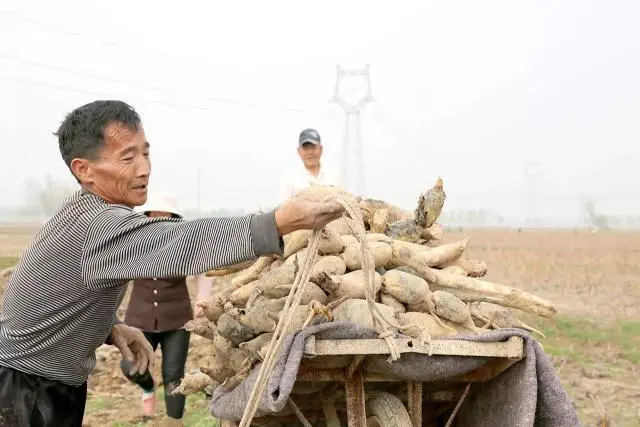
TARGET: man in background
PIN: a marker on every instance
(312, 171)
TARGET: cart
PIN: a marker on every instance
(355, 398)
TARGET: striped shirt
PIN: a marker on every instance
(61, 302)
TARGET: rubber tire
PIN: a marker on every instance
(387, 410)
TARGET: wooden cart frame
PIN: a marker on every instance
(501, 356)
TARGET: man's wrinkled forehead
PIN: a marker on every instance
(120, 137)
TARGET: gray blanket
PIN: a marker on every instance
(527, 394)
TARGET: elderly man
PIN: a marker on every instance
(311, 172)
(60, 303)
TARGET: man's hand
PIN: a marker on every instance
(301, 214)
(134, 347)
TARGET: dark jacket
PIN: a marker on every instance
(158, 305)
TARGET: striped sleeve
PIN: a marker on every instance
(116, 321)
(121, 245)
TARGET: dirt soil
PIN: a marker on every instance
(594, 340)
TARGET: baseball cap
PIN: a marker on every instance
(309, 135)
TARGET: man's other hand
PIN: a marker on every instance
(302, 214)
(134, 347)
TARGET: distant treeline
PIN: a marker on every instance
(44, 196)
(460, 218)
(489, 218)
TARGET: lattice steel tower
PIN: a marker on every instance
(352, 115)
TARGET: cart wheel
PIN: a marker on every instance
(386, 410)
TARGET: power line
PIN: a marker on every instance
(100, 40)
(115, 44)
(390, 123)
(51, 86)
(95, 93)
(78, 73)
(147, 87)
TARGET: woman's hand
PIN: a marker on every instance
(197, 311)
(203, 290)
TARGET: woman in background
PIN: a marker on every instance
(160, 307)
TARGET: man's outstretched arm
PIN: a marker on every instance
(123, 245)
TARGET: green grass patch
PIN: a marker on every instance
(630, 340)
(100, 404)
(580, 339)
(196, 412)
(6, 262)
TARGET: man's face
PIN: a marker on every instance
(120, 172)
(310, 154)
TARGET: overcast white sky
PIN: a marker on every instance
(468, 90)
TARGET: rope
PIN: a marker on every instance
(458, 405)
(293, 299)
(305, 422)
(382, 326)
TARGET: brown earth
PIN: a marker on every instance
(594, 340)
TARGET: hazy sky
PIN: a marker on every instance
(467, 90)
